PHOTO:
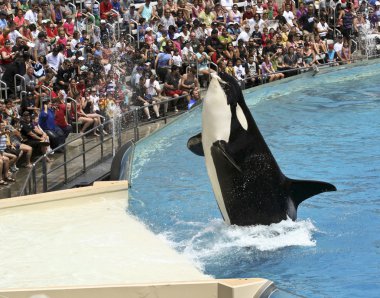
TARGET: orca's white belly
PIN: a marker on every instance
(216, 125)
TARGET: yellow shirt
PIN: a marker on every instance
(207, 19)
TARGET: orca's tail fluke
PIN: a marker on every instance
(301, 190)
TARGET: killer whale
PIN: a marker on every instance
(248, 184)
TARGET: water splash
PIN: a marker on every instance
(217, 239)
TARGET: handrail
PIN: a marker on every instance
(73, 101)
(131, 36)
(314, 68)
(137, 30)
(80, 3)
(75, 8)
(74, 11)
(23, 83)
(338, 31)
(87, 16)
(45, 88)
(2, 83)
(118, 24)
(21, 94)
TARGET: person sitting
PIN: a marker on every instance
(46, 121)
(153, 92)
(60, 115)
(28, 104)
(82, 118)
(17, 143)
(171, 85)
(6, 153)
(189, 82)
(268, 71)
(139, 97)
(240, 73)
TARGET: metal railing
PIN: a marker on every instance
(42, 178)
(137, 31)
(117, 23)
(22, 85)
(3, 87)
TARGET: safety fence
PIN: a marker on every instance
(83, 152)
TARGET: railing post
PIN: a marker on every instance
(76, 111)
(64, 163)
(117, 22)
(3, 84)
(84, 154)
(44, 174)
(118, 131)
(34, 179)
(101, 141)
(136, 124)
(23, 83)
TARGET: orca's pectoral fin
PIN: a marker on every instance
(303, 189)
(195, 144)
(220, 155)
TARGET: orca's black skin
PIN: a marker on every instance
(254, 189)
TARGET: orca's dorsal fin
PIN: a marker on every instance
(300, 190)
(195, 144)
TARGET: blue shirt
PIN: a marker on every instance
(47, 120)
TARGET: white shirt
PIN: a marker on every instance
(227, 4)
(13, 35)
(151, 88)
(31, 17)
(186, 50)
(243, 36)
(322, 29)
(74, 43)
(55, 61)
(177, 60)
(338, 47)
(95, 100)
(289, 16)
(239, 72)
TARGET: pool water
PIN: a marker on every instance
(324, 127)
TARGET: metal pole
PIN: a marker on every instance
(2, 83)
(119, 131)
(65, 163)
(101, 141)
(84, 154)
(34, 179)
(44, 174)
(136, 123)
(117, 22)
(23, 83)
(113, 135)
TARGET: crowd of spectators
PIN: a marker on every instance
(66, 63)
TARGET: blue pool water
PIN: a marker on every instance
(325, 128)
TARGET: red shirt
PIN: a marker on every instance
(51, 32)
(7, 50)
(60, 116)
(104, 8)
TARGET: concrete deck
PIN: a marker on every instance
(82, 237)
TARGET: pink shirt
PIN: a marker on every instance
(18, 21)
(69, 28)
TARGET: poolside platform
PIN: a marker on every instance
(83, 243)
